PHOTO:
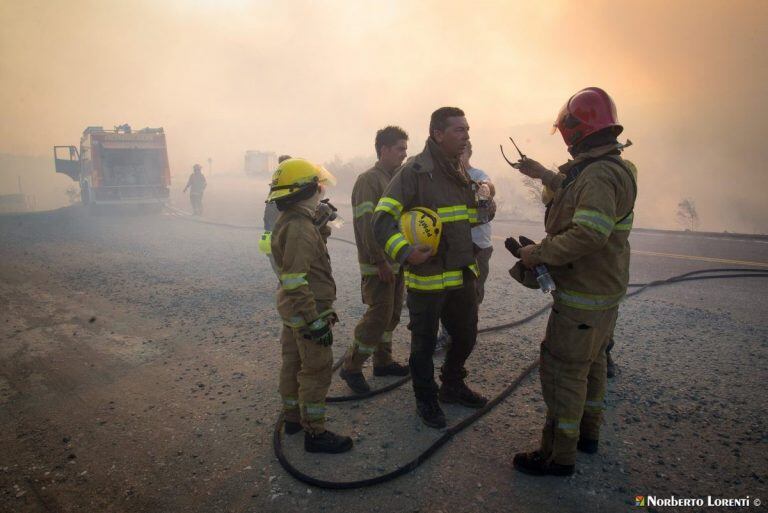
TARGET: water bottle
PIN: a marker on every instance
(546, 283)
(483, 195)
(336, 222)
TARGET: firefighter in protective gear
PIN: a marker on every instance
(587, 252)
(196, 185)
(440, 287)
(547, 195)
(305, 303)
(381, 278)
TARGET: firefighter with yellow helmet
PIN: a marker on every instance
(440, 274)
(381, 278)
(304, 302)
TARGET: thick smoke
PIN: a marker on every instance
(317, 79)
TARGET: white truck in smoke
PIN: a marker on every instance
(118, 166)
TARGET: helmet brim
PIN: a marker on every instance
(326, 177)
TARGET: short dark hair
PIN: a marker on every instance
(281, 158)
(388, 137)
(439, 119)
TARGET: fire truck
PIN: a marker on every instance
(118, 166)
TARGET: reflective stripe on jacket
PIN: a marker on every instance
(588, 226)
(307, 290)
(422, 182)
(366, 193)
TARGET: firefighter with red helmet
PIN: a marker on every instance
(586, 249)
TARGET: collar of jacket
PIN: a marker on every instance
(304, 209)
(451, 167)
(381, 169)
(599, 151)
(421, 162)
(573, 168)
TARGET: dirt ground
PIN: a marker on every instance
(138, 371)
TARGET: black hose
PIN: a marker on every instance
(692, 276)
(377, 391)
(408, 467)
(467, 421)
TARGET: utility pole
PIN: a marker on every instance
(210, 166)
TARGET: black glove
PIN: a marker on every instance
(525, 241)
(512, 246)
(320, 332)
(524, 276)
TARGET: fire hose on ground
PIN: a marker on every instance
(450, 432)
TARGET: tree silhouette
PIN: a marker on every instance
(687, 215)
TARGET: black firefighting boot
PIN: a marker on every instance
(587, 445)
(291, 428)
(355, 381)
(326, 441)
(459, 392)
(611, 367)
(393, 369)
(430, 412)
(535, 464)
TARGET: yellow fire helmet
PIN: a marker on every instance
(294, 175)
(421, 225)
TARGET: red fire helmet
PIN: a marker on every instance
(586, 112)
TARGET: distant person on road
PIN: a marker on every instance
(196, 185)
(587, 253)
(382, 279)
(305, 303)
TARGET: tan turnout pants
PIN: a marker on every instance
(373, 334)
(305, 377)
(573, 377)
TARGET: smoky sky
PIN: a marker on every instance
(317, 79)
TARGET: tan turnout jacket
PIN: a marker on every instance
(366, 193)
(307, 290)
(588, 225)
(424, 182)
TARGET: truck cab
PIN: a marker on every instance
(118, 166)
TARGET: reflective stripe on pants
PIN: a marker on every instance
(573, 378)
(373, 334)
(305, 375)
